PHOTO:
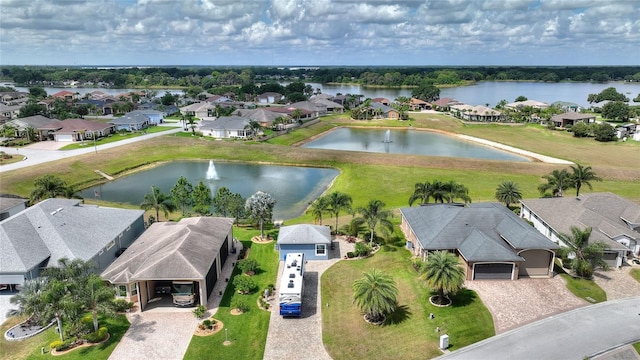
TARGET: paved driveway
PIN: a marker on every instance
(515, 303)
(5, 305)
(618, 283)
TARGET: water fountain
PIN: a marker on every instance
(387, 136)
(211, 172)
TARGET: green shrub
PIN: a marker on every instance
(199, 311)
(417, 264)
(362, 249)
(350, 255)
(239, 304)
(122, 305)
(96, 337)
(248, 266)
(244, 284)
(55, 344)
(208, 324)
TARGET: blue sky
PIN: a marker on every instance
(320, 32)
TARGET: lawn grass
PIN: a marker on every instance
(247, 332)
(637, 347)
(408, 333)
(635, 273)
(31, 348)
(582, 288)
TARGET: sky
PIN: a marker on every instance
(319, 32)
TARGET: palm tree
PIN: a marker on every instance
(59, 303)
(157, 200)
(583, 175)
(372, 215)
(375, 294)
(558, 181)
(98, 298)
(46, 187)
(337, 202)
(318, 207)
(587, 255)
(297, 113)
(421, 192)
(452, 190)
(29, 299)
(508, 193)
(443, 274)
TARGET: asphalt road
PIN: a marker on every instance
(40, 156)
(586, 331)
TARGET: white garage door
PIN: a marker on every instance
(64, 138)
(11, 279)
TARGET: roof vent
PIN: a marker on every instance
(292, 276)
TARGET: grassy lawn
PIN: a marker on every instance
(247, 332)
(116, 137)
(408, 333)
(635, 273)
(637, 347)
(582, 288)
(30, 348)
(10, 159)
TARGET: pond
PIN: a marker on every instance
(292, 187)
(407, 142)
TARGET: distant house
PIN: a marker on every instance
(226, 127)
(290, 111)
(193, 249)
(64, 95)
(269, 98)
(476, 113)
(105, 108)
(312, 240)
(201, 110)
(80, 129)
(317, 108)
(518, 105)
(418, 105)
(381, 111)
(491, 240)
(445, 104)
(38, 236)
(383, 101)
(10, 111)
(332, 107)
(132, 121)
(44, 126)
(263, 116)
(567, 106)
(572, 118)
(614, 220)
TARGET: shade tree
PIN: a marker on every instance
(260, 206)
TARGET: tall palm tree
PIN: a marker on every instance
(29, 299)
(557, 182)
(338, 202)
(98, 298)
(59, 303)
(375, 294)
(583, 176)
(157, 200)
(452, 190)
(374, 214)
(587, 255)
(508, 193)
(318, 207)
(422, 192)
(46, 187)
(443, 274)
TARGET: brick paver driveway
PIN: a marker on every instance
(618, 283)
(515, 303)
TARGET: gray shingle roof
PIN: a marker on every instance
(480, 232)
(304, 234)
(59, 228)
(225, 123)
(608, 215)
(130, 118)
(170, 250)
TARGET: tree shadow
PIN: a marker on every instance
(401, 314)
(463, 298)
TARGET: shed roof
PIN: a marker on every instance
(304, 234)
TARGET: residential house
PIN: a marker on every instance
(491, 240)
(131, 122)
(44, 126)
(102, 107)
(312, 240)
(201, 110)
(567, 106)
(10, 111)
(445, 104)
(64, 95)
(316, 108)
(383, 101)
(226, 127)
(476, 113)
(381, 111)
(156, 117)
(518, 105)
(571, 118)
(164, 109)
(613, 220)
(40, 235)
(418, 105)
(11, 205)
(290, 111)
(263, 116)
(269, 98)
(8, 97)
(80, 130)
(332, 107)
(193, 249)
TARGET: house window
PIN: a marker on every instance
(121, 290)
(110, 244)
(134, 289)
(321, 249)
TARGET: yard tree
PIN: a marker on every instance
(201, 199)
(521, 98)
(221, 201)
(29, 300)
(604, 132)
(588, 255)
(508, 193)
(557, 182)
(581, 129)
(157, 200)
(260, 207)
(318, 207)
(452, 190)
(372, 215)
(376, 295)
(37, 92)
(97, 298)
(338, 202)
(610, 94)
(181, 193)
(426, 92)
(46, 187)
(616, 110)
(583, 175)
(422, 192)
(443, 274)
(236, 206)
